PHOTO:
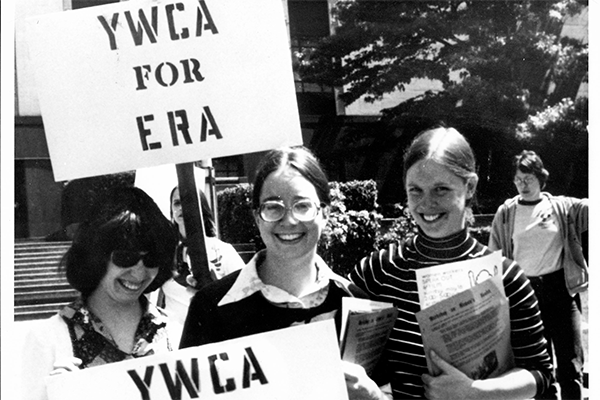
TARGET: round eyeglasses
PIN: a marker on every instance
(528, 180)
(302, 210)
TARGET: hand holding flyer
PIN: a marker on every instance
(470, 330)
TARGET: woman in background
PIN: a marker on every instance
(177, 292)
(545, 234)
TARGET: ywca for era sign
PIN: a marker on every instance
(143, 83)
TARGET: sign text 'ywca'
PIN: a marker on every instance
(296, 363)
(181, 377)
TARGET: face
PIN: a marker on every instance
(437, 198)
(177, 212)
(528, 186)
(124, 285)
(288, 237)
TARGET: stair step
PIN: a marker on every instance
(41, 297)
(38, 275)
(39, 282)
(37, 311)
(30, 287)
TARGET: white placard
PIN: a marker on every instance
(297, 363)
(144, 83)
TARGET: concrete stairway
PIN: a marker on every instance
(41, 288)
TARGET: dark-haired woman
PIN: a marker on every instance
(223, 259)
(287, 283)
(546, 234)
(124, 249)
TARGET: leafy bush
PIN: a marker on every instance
(359, 195)
(236, 222)
(402, 228)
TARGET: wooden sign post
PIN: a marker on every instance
(194, 225)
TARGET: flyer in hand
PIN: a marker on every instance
(366, 326)
(469, 329)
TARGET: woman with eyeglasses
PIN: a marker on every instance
(124, 249)
(546, 235)
(286, 283)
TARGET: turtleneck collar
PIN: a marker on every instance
(446, 248)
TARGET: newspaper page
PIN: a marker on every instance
(470, 330)
(442, 281)
(366, 326)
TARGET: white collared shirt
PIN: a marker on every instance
(248, 283)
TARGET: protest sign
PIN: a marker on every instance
(143, 83)
(301, 362)
(470, 330)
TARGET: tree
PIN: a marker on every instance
(559, 135)
(510, 47)
(497, 61)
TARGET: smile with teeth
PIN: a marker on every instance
(130, 285)
(289, 236)
(431, 217)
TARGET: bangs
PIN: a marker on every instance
(129, 231)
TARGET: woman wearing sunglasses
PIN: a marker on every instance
(124, 249)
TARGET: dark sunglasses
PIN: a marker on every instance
(127, 259)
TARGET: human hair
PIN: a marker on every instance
(208, 219)
(528, 162)
(447, 147)
(299, 158)
(125, 219)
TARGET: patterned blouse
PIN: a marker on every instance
(93, 344)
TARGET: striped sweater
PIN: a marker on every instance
(389, 275)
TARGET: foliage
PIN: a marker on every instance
(347, 238)
(511, 48)
(358, 195)
(403, 228)
(559, 135)
(236, 220)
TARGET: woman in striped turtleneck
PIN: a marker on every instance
(440, 182)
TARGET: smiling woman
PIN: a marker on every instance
(124, 249)
(287, 283)
(440, 182)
